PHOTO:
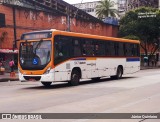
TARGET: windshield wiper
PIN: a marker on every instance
(38, 45)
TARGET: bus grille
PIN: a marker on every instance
(37, 78)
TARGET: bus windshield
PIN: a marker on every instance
(35, 55)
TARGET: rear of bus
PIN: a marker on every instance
(35, 56)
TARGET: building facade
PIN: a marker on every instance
(127, 5)
(90, 7)
(23, 16)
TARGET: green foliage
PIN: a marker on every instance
(147, 28)
(105, 9)
(131, 37)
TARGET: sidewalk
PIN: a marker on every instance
(149, 67)
(6, 77)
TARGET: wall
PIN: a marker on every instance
(29, 20)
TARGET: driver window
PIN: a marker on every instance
(62, 49)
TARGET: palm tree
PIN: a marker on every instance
(105, 9)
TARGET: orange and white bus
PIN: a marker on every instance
(52, 55)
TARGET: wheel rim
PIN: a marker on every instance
(75, 77)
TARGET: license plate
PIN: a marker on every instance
(31, 79)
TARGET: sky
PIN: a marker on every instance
(78, 1)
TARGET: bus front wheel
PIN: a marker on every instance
(46, 84)
(75, 78)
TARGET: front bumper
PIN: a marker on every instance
(41, 78)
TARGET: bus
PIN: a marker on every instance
(52, 55)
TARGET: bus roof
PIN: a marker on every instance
(66, 33)
(82, 35)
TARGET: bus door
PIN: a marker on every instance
(62, 52)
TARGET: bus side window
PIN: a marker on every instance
(112, 48)
(76, 47)
(87, 47)
(84, 52)
(96, 50)
(99, 48)
(128, 49)
(108, 45)
(124, 49)
(62, 48)
(58, 49)
(116, 47)
(134, 50)
(121, 49)
(138, 50)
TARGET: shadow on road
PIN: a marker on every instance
(66, 85)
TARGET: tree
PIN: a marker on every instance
(143, 23)
(105, 9)
(2, 37)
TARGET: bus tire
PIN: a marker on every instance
(75, 78)
(46, 84)
(118, 74)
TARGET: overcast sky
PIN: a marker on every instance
(78, 1)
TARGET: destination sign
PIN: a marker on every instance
(33, 36)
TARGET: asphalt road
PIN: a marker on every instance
(134, 93)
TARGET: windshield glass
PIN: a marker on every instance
(35, 55)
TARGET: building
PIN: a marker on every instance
(127, 5)
(121, 5)
(29, 15)
(90, 7)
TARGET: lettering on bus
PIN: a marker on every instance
(32, 36)
(77, 62)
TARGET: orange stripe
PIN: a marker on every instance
(104, 38)
(91, 58)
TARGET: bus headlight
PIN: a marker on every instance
(47, 71)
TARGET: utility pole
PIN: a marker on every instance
(68, 20)
(14, 27)
(68, 17)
